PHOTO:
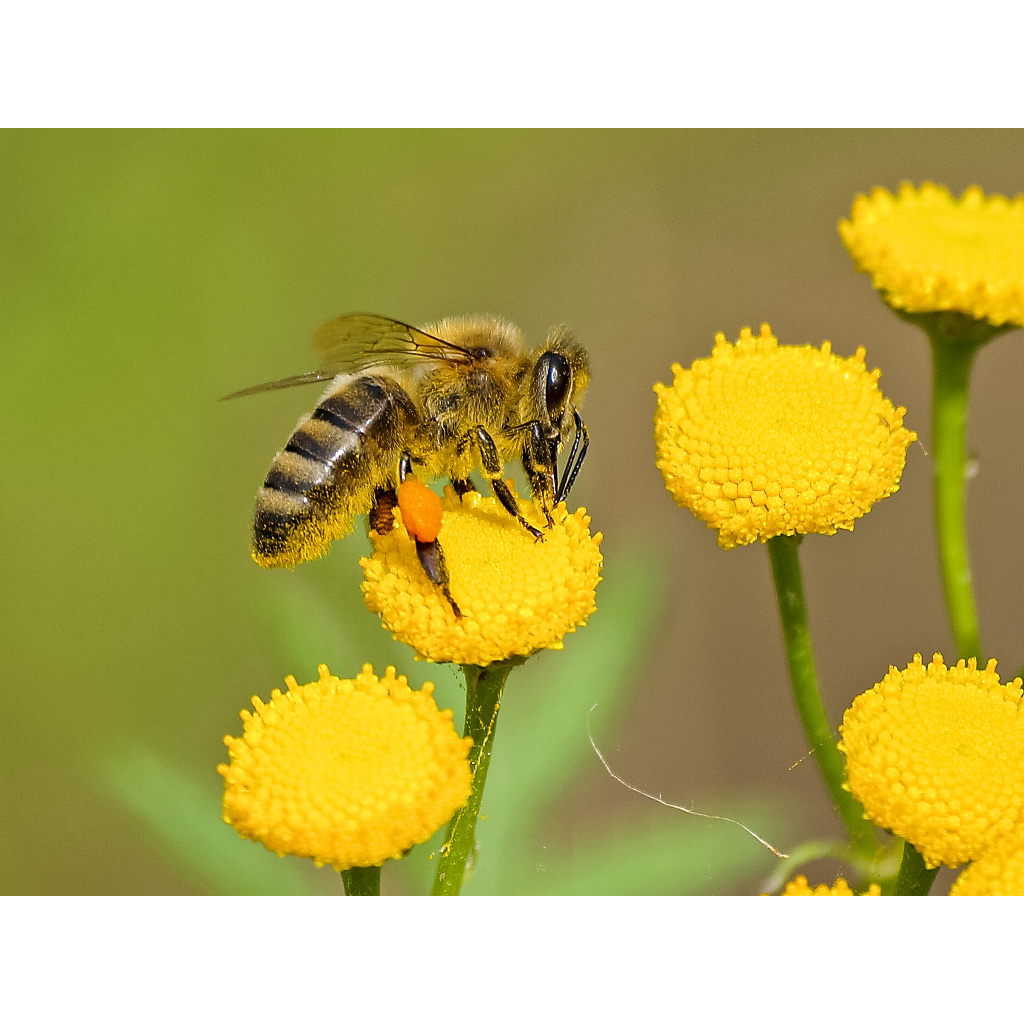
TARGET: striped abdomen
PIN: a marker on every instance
(328, 471)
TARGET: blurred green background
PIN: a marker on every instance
(144, 274)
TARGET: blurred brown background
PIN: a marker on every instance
(145, 274)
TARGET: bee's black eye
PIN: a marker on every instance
(558, 379)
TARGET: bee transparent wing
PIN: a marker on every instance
(356, 341)
(278, 385)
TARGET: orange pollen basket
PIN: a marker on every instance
(421, 509)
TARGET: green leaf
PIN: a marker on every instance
(183, 818)
(684, 855)
(308, 629)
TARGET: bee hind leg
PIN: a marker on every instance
(382, 512)
(432, 559)
(490, 464)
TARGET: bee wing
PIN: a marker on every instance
(277, 385)
(356, 341)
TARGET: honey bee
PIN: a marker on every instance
(441, 400)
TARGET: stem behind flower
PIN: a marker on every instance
(484, 686)
(361, 881)
(789, 588)
(914, 879)
(955, 340)
(951, 373)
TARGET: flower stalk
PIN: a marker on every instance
(484, 687)
(362, 881)
(952, 362)
(914, 879)
(789, 589)
(955, 339)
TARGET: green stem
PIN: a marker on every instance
(484, 686)
(914, 879)
(789, 588)
(361, 881)
(951, 374)
(955, 340)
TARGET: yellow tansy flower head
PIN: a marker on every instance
(928, 252)
(936, 755)
(800, 887)
(1000, 872)
(765, 439)
(516, 594)
(350, 772)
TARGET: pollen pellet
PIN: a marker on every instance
(421, 509)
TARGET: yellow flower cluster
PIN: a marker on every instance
(800, 887)
(516, 594)
(1000, 872)
(762, 439)
(928, 252)
(350, 772)
(936, 755)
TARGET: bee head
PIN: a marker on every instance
(560, 376)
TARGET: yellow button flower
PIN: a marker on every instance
(1000, 872)
(350, 772)
(928, 252)
(936, 755)
(765, 439)
(517, 595)
(800, 887)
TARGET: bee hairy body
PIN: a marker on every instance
(329, 469)
(445, 416)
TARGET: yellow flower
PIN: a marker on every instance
(928, 252)
(936, 755)
(762, 439)
(517, 595)
(1000, 872)
(800, 887)
(349, 772)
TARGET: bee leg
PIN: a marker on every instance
(540, 463)
(432, 559)
(382, 513)
(569, 476)
(490, 463)
(462, 486)
(404, 467)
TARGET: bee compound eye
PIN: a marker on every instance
(557, 383)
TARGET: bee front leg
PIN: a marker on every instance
(579, 452)
(539, 461)
(490, 464)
